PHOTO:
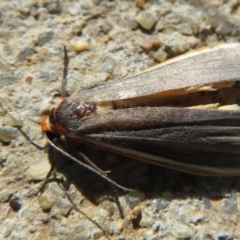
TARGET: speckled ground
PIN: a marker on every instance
(106, 40)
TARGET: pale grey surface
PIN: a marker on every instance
(32, 36)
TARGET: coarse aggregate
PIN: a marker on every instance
(106, 40)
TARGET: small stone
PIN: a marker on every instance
(13, 119)
(130, 21)
(32, 229)
(24, 7)
(160, 25)
(108, 206)
(38, 171)
(230, 204)
(134, 198)
(45, 202)
(53, 7)
(5, 196)
(140, 3)
(8, 80)
(145, 221)
(23, 55)
(44, 38)
(136, 212)
(57, 190)
(44, 218)
(8, 231)
(74, 9)
(150, 42)
(161, 203)
(106, 26)
(85, 4)
(197, 217)
(102, 77)
(146, 19)
(7, 134)
(185, 29)
(172, 18)
(79, 45)
(177, 43)
(108, 65)
(4, 67)
(15, 204)
(207, 203)
(224, 28)
(64, 207)
(117, 226)
(182, 231)
(160, 55)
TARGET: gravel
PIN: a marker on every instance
(106, 40)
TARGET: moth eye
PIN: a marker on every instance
(83, 110)
(80, 110)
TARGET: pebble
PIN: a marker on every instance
(177, 43)
(131, 21)
(15, 204)
(5, 196)
(150, 42)
(13, 119)
(108, 65)
(161, 203)
(45, 37)
(8, 80)
(184, 28)
(146, 19)
(56, 189)
(207, 203)
(160, 55)
(38, 171)
(53, 7)
(180, 231)
(64, 207)
(134, 198)
(7, 134)
(45, 202)
(79, 45)
(224, 28)
(108, 206)
(117, 226)
(106, 26)
(230, 205)
(27, 52)
(136, 212)
(74, 9)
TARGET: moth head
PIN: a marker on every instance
(61, 119)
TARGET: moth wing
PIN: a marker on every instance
(204, 142)
(185, 73)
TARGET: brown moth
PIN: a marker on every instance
(183, 114)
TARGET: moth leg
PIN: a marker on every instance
(94, 166)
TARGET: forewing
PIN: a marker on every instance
(204, 142)
(206, 67)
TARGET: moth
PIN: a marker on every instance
(182, 114)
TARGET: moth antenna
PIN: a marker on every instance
(85, 165)
(21, 131)
(29, 139)
(68, 197)
(65, 73)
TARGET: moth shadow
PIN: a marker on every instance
(150, 179)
